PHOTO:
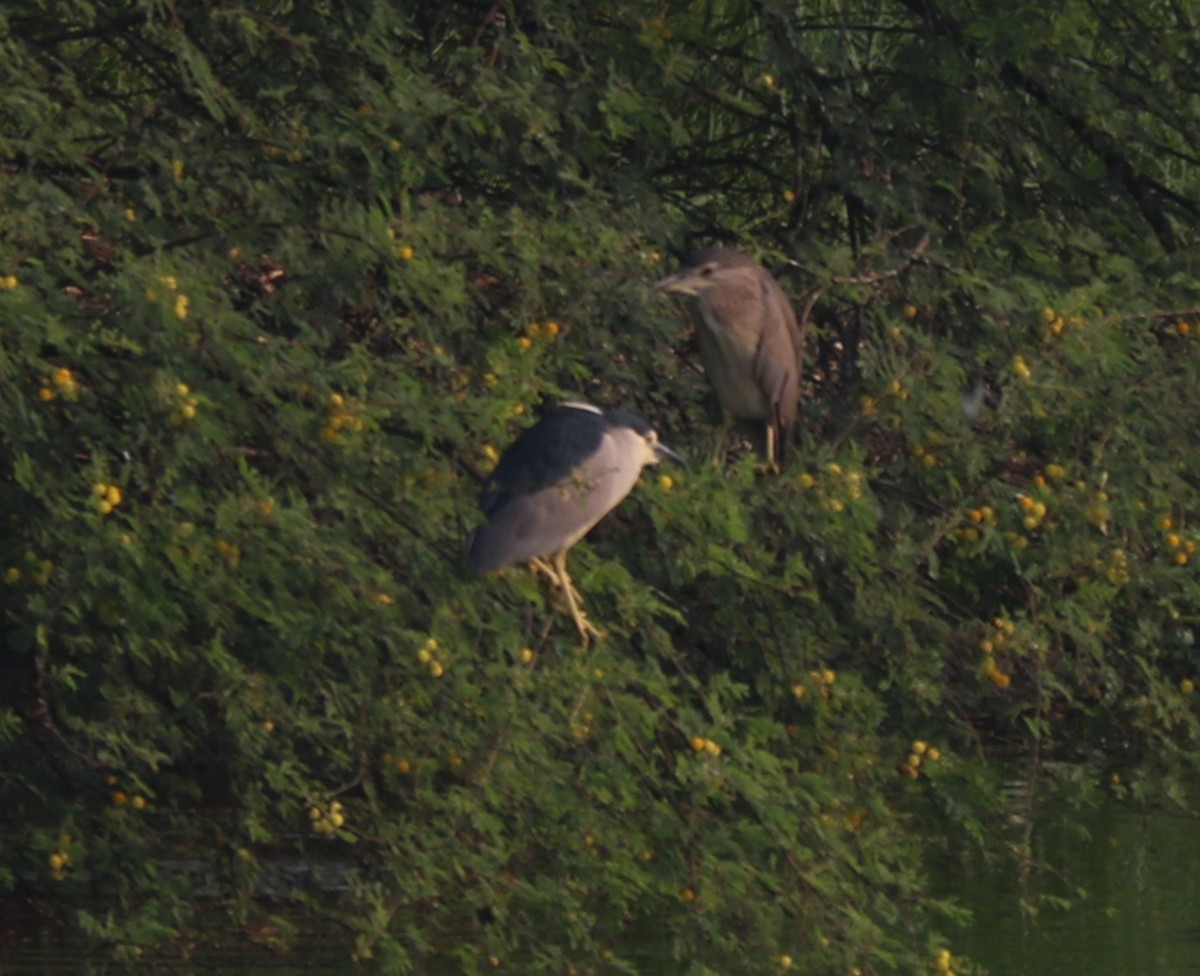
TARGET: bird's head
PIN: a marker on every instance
(649, 450)
(702, 271)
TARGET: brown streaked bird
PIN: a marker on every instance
(750, 342)
(554, 483)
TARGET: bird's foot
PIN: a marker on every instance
(587, 630)
(561, 581)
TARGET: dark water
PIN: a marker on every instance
(1134, 889)
(1134, 886)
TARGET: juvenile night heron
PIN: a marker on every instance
(750, 341)
(554, 482)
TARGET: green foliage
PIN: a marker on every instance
(276, 284)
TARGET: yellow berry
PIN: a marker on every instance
(711, 747)
(525, 342)
(113, 495)
(1181, 559)
(45, 394)
(138, 802)
(1173, 540)
(919, 747)
(698, 743)
(436, 669)
(404, 253)
(1187, 686)
(120, 798)
(934, 754)
(666, 482)
(526, 655)
(181, 306)
(1165, 522)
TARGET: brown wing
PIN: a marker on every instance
(778, 361)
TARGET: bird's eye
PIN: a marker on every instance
(707, 271)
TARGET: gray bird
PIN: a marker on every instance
(750, 342)
(554, 482)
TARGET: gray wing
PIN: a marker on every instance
(544, 521)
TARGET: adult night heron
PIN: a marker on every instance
(554, 482)
(750, 341)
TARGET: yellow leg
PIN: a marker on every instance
(538, 563)
(770, 463)
(559, 578)
(586, 629)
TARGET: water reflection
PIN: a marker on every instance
(1134, 882)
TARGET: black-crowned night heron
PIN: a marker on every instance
(555, 481)
(750, 341)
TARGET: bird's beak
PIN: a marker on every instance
(679, 283)
(662, 451)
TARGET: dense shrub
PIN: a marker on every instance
(276, 284)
